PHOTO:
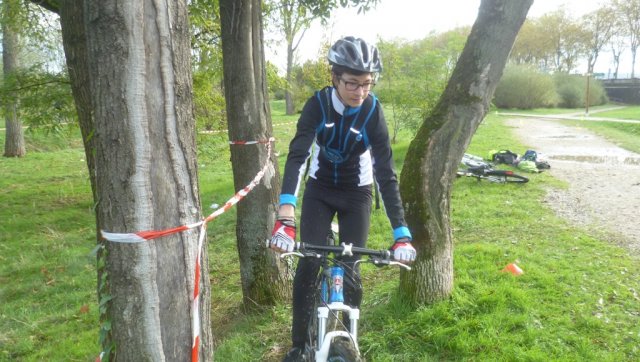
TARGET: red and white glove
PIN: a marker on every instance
(403, 251)
(283, 237)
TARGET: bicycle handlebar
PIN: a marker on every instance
(343, 250)
(378, 257)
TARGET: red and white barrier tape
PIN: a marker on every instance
(226, 130)
(152, 234)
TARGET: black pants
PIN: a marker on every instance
(319, 205)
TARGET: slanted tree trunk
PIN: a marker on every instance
(434, 154)
(14, 145)
(146, 175)
(75, 50)
(263, 279)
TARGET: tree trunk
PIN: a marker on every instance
(434, 154)
(288, 96)
(75, 50)
(14, 145)
(146, 176)
(264, 281)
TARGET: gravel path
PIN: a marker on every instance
(604, 179)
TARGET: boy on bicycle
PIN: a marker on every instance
(342, 128)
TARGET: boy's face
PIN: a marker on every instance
(353, 89)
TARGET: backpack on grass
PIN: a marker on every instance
(504, 156)
(533, 156)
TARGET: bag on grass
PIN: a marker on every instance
(504, 156)
(541, 163)
(528, 166)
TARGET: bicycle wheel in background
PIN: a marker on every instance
(502, 176)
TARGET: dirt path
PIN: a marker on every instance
(604, 179)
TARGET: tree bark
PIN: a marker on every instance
(434, 154)
(14, 145)
(146, 175)
(264, 281)
(288, 96)
(75, 50)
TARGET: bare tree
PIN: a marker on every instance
(293, 18)
(598, 26)
(629, 12)
(618, 45)
(434, 154)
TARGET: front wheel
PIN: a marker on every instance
(343, 351)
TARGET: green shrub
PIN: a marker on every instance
(572, 90)
(524, 87)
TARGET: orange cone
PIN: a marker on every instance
(513, 269)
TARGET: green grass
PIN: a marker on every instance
(47, 273)
(629, 112)
(578, 298)
(545, 111)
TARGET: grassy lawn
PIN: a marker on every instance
(577, 300)
(544, 111)
(629, 112)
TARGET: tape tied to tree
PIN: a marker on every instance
(153, 234)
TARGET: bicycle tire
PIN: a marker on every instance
(504, 176)
(343, 351)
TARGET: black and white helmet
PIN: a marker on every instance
(355, 53)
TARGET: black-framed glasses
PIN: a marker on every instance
(353, 86)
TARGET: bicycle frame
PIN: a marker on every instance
(331, 293)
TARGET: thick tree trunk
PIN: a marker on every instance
(14, 145)
(434, 154)
(146, 175)
(264, 281)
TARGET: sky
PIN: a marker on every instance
(415, 19)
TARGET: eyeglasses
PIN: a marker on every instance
(353, 86)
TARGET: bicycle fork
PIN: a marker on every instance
(336, 304)
(326, 338)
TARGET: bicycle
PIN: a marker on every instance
(474, 166)
(328, 339)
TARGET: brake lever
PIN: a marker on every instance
(402, 265)
(292, 253)
(384, 262)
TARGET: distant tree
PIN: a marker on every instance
(434, 154)
(309, 77)
(598, 26)
(276, 84)
(415, 74)
(206, 58)
(566, 37)
(14, 144)
(629, 12)
(617, 44)
(532, 46)
(293, 18)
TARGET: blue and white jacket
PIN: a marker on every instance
(348, 148)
